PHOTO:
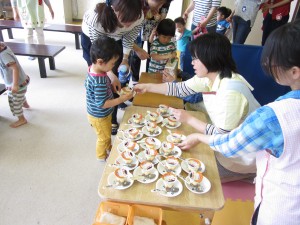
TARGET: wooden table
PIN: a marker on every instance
(140, 193)
(152, 99)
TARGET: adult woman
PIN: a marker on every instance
(226, 96)
(115, 19)
(272, 133)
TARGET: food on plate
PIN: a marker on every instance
(172, 121)
(128, 156)
(132, 132)
(169, 179)
(150, 154)
(137, 118)
(195, 178)
(153, 116)
(130, 145)
(176, 137)
(167, 147)
(121, 174)
(151, 126)
(163, 109)
(150, 142)
(147, 167)
(171, 163)
(126, 90)
(193, 164)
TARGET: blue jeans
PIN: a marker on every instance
(240, 29)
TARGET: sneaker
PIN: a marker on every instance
(31, 58)
(101, 160)
(114, 129)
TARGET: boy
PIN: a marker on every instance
(183, 39)
(223, 25)
(162, 48)
(16, 82)
(99, 95)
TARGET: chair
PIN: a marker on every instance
(247, 59)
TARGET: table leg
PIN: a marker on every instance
(10, 34)
(42, 67)
(51, 63)
(77, 44)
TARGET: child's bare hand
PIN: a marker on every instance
(126, 97)
(15, 88)
(180, 114)
(173, 55)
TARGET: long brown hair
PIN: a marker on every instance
(129, 11)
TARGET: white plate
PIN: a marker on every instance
(142, 123)
(165, 121)
(141, 157)
(162, 169)
(184, 166)
(205, 185)
(176, 152)
(121, 161)
(121, 147)
(167, 114)
(153, 134)
(157, 143)
(159, 119)
(138, 173)
(112, 180)
(160, 185)
(169, 139)
(138, 137)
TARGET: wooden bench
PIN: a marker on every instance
(9, 24)
(2, 88)
(39, 51)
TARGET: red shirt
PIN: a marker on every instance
(280, 11)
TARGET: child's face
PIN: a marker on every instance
(105, 67)
(220, 16)
(2, 46)
(180, 27)
(164, 39)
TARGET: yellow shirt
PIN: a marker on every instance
(226, 108)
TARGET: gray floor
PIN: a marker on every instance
(48, 169)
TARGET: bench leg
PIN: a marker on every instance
(10, 34)
(77, 44)
(1, 35)
(52, 63)
(42, 67)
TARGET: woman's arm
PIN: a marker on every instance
(47, 2)
(154, 88)
(189, 9)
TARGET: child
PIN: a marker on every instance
(16, 82)
(183, 39)
(99, 95)
(272, 132)
(223, 25)
(162, 48)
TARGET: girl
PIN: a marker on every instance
(115, 19)
(226, 95)
(272, 132)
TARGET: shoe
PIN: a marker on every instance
(122, 106)
(114, 129)
(101, 160)
(31, 58)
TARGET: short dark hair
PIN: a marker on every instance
(129, 11)
(214, 51)
(282, 50)
(224, 11)
(104, 48)
(166, 27)
(180, 20)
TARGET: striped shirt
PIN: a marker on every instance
(260, 131)
(202, 8)
(160, 49)
(93, 29)
(98, 91)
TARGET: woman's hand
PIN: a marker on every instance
(15, 88)
(181, 115)
(190, 141)
(116, 85)
(142, 54)
(140, 88)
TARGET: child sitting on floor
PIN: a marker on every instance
(162, 48)
(16, 82)
(99, 94)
